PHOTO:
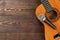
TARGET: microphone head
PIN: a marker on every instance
(42, 17)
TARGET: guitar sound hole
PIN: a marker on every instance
(52, 15)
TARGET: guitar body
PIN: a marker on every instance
(50, 32)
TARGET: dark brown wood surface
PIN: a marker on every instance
(18, 20)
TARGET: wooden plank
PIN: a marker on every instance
(18, 20)
(21, 36)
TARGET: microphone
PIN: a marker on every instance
(42, 18)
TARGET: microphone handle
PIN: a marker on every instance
(50, 24)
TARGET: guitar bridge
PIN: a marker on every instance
(57, 36)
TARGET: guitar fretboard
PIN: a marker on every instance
(46, 5)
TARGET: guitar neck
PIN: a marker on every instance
(47, 5)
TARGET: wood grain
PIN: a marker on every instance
(18, 21)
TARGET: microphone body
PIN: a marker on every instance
(42, 17)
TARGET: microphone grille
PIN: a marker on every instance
(41, 17)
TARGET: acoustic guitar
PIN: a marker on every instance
(48, 12)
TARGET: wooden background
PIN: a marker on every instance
(18, 21)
